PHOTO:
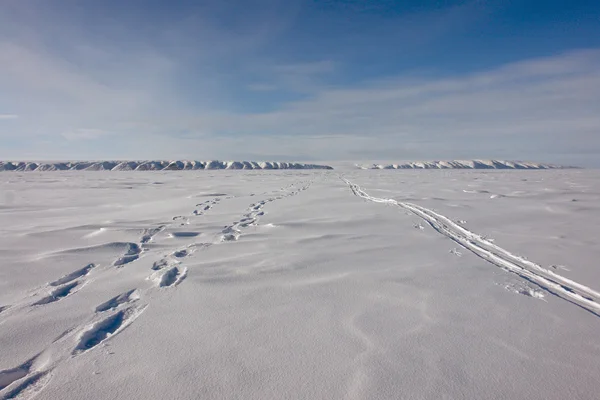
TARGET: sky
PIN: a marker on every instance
(300, 80)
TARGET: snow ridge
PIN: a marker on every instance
(464, 164)
(159, 165)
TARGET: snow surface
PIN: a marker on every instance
(289, 284)
(151, 165)
(464, 164)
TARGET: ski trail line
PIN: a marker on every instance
(547, 280)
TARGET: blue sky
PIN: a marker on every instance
(300, 80)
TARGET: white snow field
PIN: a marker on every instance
(295, 284)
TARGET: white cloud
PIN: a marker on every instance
(8, 116)
(84, 134)
(540, 109)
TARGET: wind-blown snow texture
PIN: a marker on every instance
(464, 164)
(300, 285)
(151, 165)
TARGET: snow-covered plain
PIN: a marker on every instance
(289, 284)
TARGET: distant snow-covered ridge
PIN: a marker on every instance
(152, 165)
(464, 164)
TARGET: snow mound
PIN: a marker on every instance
(157, 165)
(464, 164)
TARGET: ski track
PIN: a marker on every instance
(547, 280)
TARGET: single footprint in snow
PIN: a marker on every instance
(58, 293)
(158, 265)
(127, 297)
(133, 253)
(73, 275)
(30, 387)
(32, 375)
(106, 328)
(172, 277)
(150, 233)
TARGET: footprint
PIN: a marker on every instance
(9, 376)
(57, 294)
(106, 328)
(252, 221)
(29, 387)
(150, 233)
(158, 265)
(73, 275)
(3, 308)
(173, 277)
(185, 220)
(133, 253)
(181, 253)
(230, 234)
(191, 249)
(127, 297)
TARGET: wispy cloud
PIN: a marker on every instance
(84, 134)
(522, 107)
(192, 86)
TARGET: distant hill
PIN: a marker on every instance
(177, 165)
(464, 164)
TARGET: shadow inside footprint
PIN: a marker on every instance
(57, 294)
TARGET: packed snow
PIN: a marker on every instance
(151, 165)
(345, 284)
(464, 164)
